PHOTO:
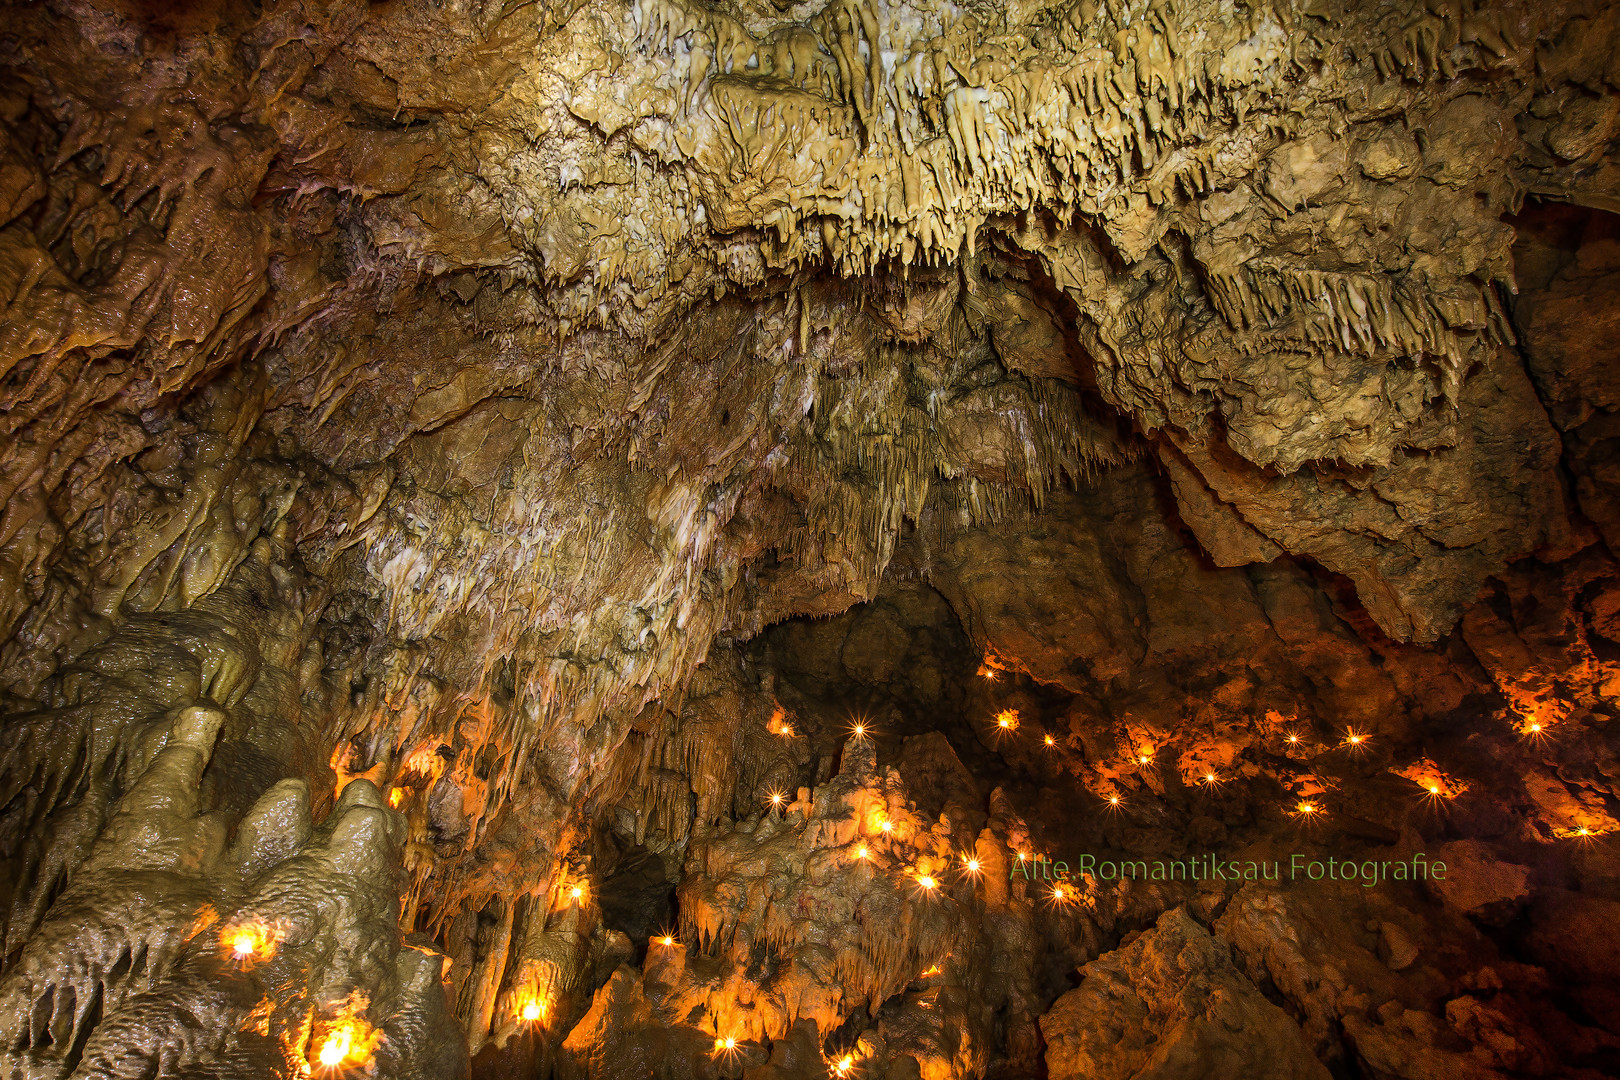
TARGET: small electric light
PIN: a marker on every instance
(1353, 738)
(577, 892)
(334, 1050)
(250, 941)
(1308, 808)
(1113, 800)
(348, 1045)
(1535, 727)
(886, 826)
(1583, 831)
(1209, 778)
(1292, 738)
(862, 852)
(1007, 719)
(1050, 741)
(927, 882)
(726, 1045)
(533, 1011)
(787, 731)
(777, 798)
(844, 1064)
(666, 940)
(973, 866)
(1434, 789)
(1022, 856)
(1144, 759)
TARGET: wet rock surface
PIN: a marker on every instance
(603, 539)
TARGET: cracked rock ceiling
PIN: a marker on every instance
(467, 467)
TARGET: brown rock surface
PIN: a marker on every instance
(1172, 1004)
(460, 461)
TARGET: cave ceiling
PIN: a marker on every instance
(464, 466)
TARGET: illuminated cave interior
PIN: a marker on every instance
(769, 540)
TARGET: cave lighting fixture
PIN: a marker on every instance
(249, 942)
(532, 1008)
(1307, 808)
(1353, 739)
(346, 1048)
(843, 1065)
(1007, 721)
(858, 730)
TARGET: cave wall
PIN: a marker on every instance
(432, 405)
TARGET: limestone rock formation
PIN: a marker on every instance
(1172, 1004)
(579, 539)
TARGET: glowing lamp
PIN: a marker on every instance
(532, 1011)
(334, 1050)
(776, 798)
(577, 893)
(1583, 831)
(861, 852)
(1007, 719)
(787, 730)
(844, 1064)
(1308, 808)
(1113, 800)
(1535, 727)
(666, 940)
(927, 882)
(973, 866)
(1293, 738)
(1209, 778)
(347, 1046)
(1050, 741)
(886, 826)
(249, 941)
(859, 731)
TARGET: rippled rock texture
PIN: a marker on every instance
(583, 539)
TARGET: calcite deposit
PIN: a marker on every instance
(870, 538)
